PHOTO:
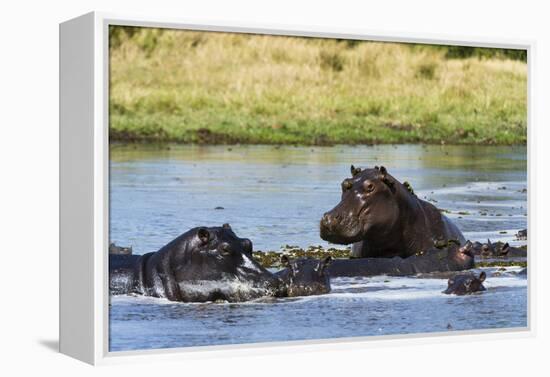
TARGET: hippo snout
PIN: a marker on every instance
(326, 221)
(340, 229)
(327, 226)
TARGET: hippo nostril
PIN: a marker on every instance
(325, 221)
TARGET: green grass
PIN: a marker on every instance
(199, 87)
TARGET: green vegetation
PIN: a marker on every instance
(503, 263)
(273, 258)
(203, 87)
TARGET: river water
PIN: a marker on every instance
(276, 196)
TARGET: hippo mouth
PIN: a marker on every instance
(342, 227)
(343, 234)
(465, 254)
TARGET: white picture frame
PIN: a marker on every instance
(84, 187)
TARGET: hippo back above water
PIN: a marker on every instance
(382, 217)
(452, 257)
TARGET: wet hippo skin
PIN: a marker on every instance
(305, 276)
(203, 264)
(209, 264)
(465, 284)
(382, 217)
(451, 258)
(498, 250)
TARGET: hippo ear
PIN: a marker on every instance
(354, 171)
(226, 226)
(467, 249)
(386, 180)
(482, 276)
(324, 263)
(505, 249)
(204, 235)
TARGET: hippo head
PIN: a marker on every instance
(119, 250)
(214, 264)
(464, 284)
(306, 276)
(368, 206)
(489, 249)
(463, 256)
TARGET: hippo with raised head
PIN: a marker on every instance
(203, 264)
(465, 284)
(453, 257)
(305, 276)
(382, 217)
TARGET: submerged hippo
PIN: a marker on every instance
(464, 284)
(498, 250)
(208, 264)
(382, 217)
(451, 258)
(305, 276)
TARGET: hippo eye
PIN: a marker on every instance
(369, 187)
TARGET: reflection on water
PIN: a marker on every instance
(276, 196)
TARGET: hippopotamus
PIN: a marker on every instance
(498, 250)
(464, 284)
(210, 264)
(203, 264)
(521, 234)
(305, 276)
(382, 217)
(121, 250)
(451, 258)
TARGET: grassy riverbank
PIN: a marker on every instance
(195, 87)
